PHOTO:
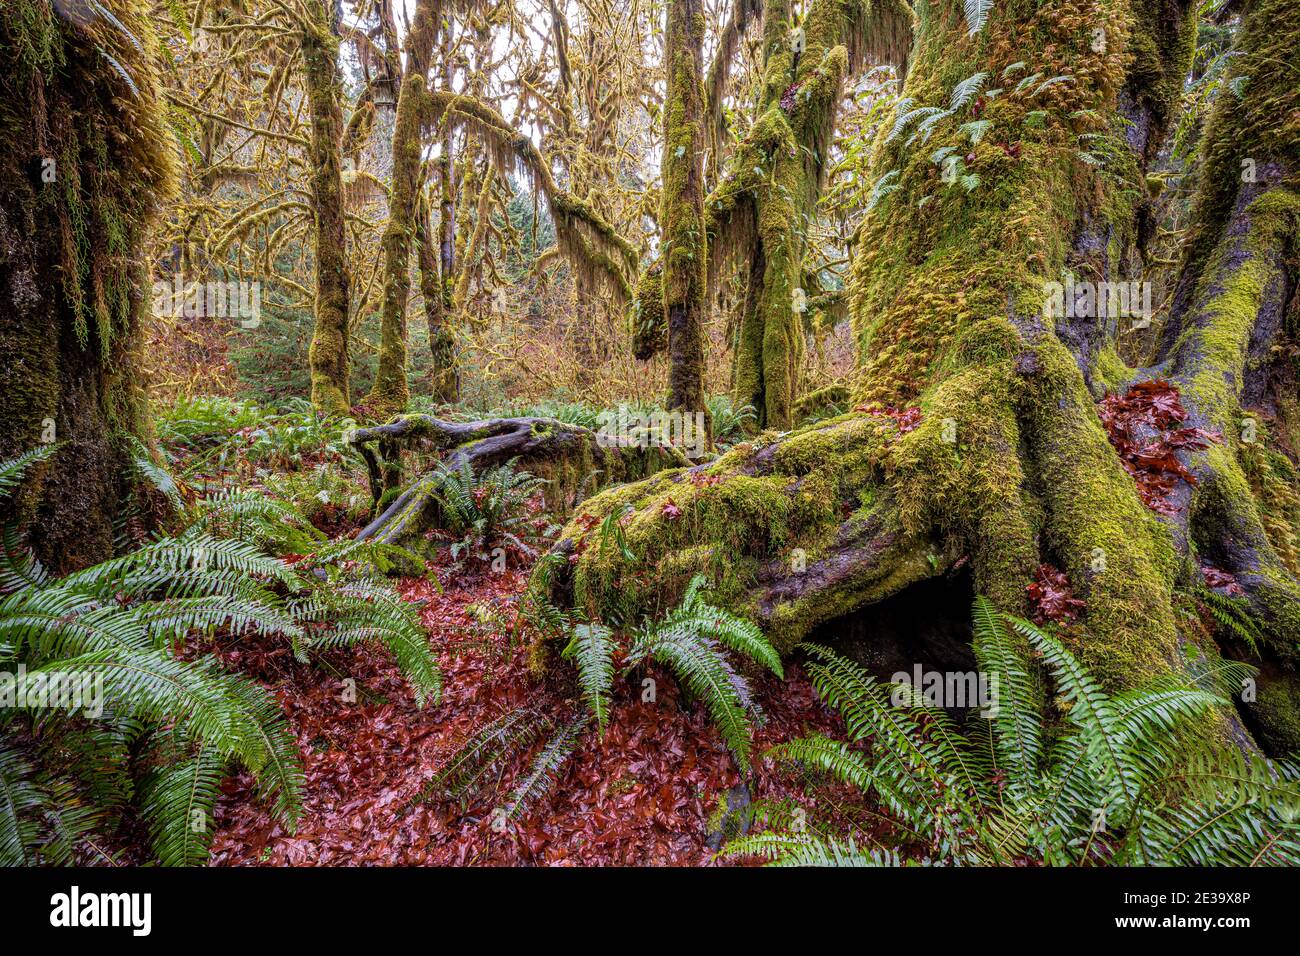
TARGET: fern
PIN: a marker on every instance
(1018, 716)
(1233, 617)
(689, 640)
(545, 769)
(809, 849)
(977, 13)
(12, 471)
(885, 185)
(1123, 781)
(592, 651)
(701, 666)
(975, 130)
(111, 628)
(966, 90)
(485, 751)
(825, 754)
(153, 474)
(485, 510)
(177, 802)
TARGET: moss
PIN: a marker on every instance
(648, 323)
(828, 400)
(683, 253)
(1119, 557)
(1275, 487)
(1109, 372)
(70, 256)
(1261, 126)
(1009, 465)
(390, 392)
(1276, 712)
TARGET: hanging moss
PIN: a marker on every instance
(648, 323)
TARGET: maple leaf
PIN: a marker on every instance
(1051, 596)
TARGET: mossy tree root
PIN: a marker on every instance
(571, 458)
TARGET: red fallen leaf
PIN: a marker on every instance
(670, 510)
(642, 796)
(907, 419)
(1052, 598)
(1141, 426)
(1219, 579)
(701, 480)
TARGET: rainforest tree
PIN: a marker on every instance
(390, 393)
(1019, 157)
(758, 215)
(683, 250)
(329, 345)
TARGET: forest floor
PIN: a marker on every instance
(646, 793)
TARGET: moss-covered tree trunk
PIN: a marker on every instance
(759, 213)
(442, 336)
(390, 392)
(1017, 160)
(85, 160)
(684, 250)
(444, 380)
(328, 355)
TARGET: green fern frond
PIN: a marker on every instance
(177, 802)
(544, 773)
(1234, 617)
(592, 650)
(19, 568)
(830, 756)
(21, 803)
(977, 13)
(966, 90)
(13, 469)
(153, 474)
(486, 750)
(730, 630)
(1018, 714)
(809, 849)
(699, 663)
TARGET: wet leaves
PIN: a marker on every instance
(643, 794)
(1051, 597)
(1144, 425)
(907, 419)
(1221, 581)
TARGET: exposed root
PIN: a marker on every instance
(569, 457)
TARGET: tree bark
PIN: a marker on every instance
(444, 384)
(85, 161)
